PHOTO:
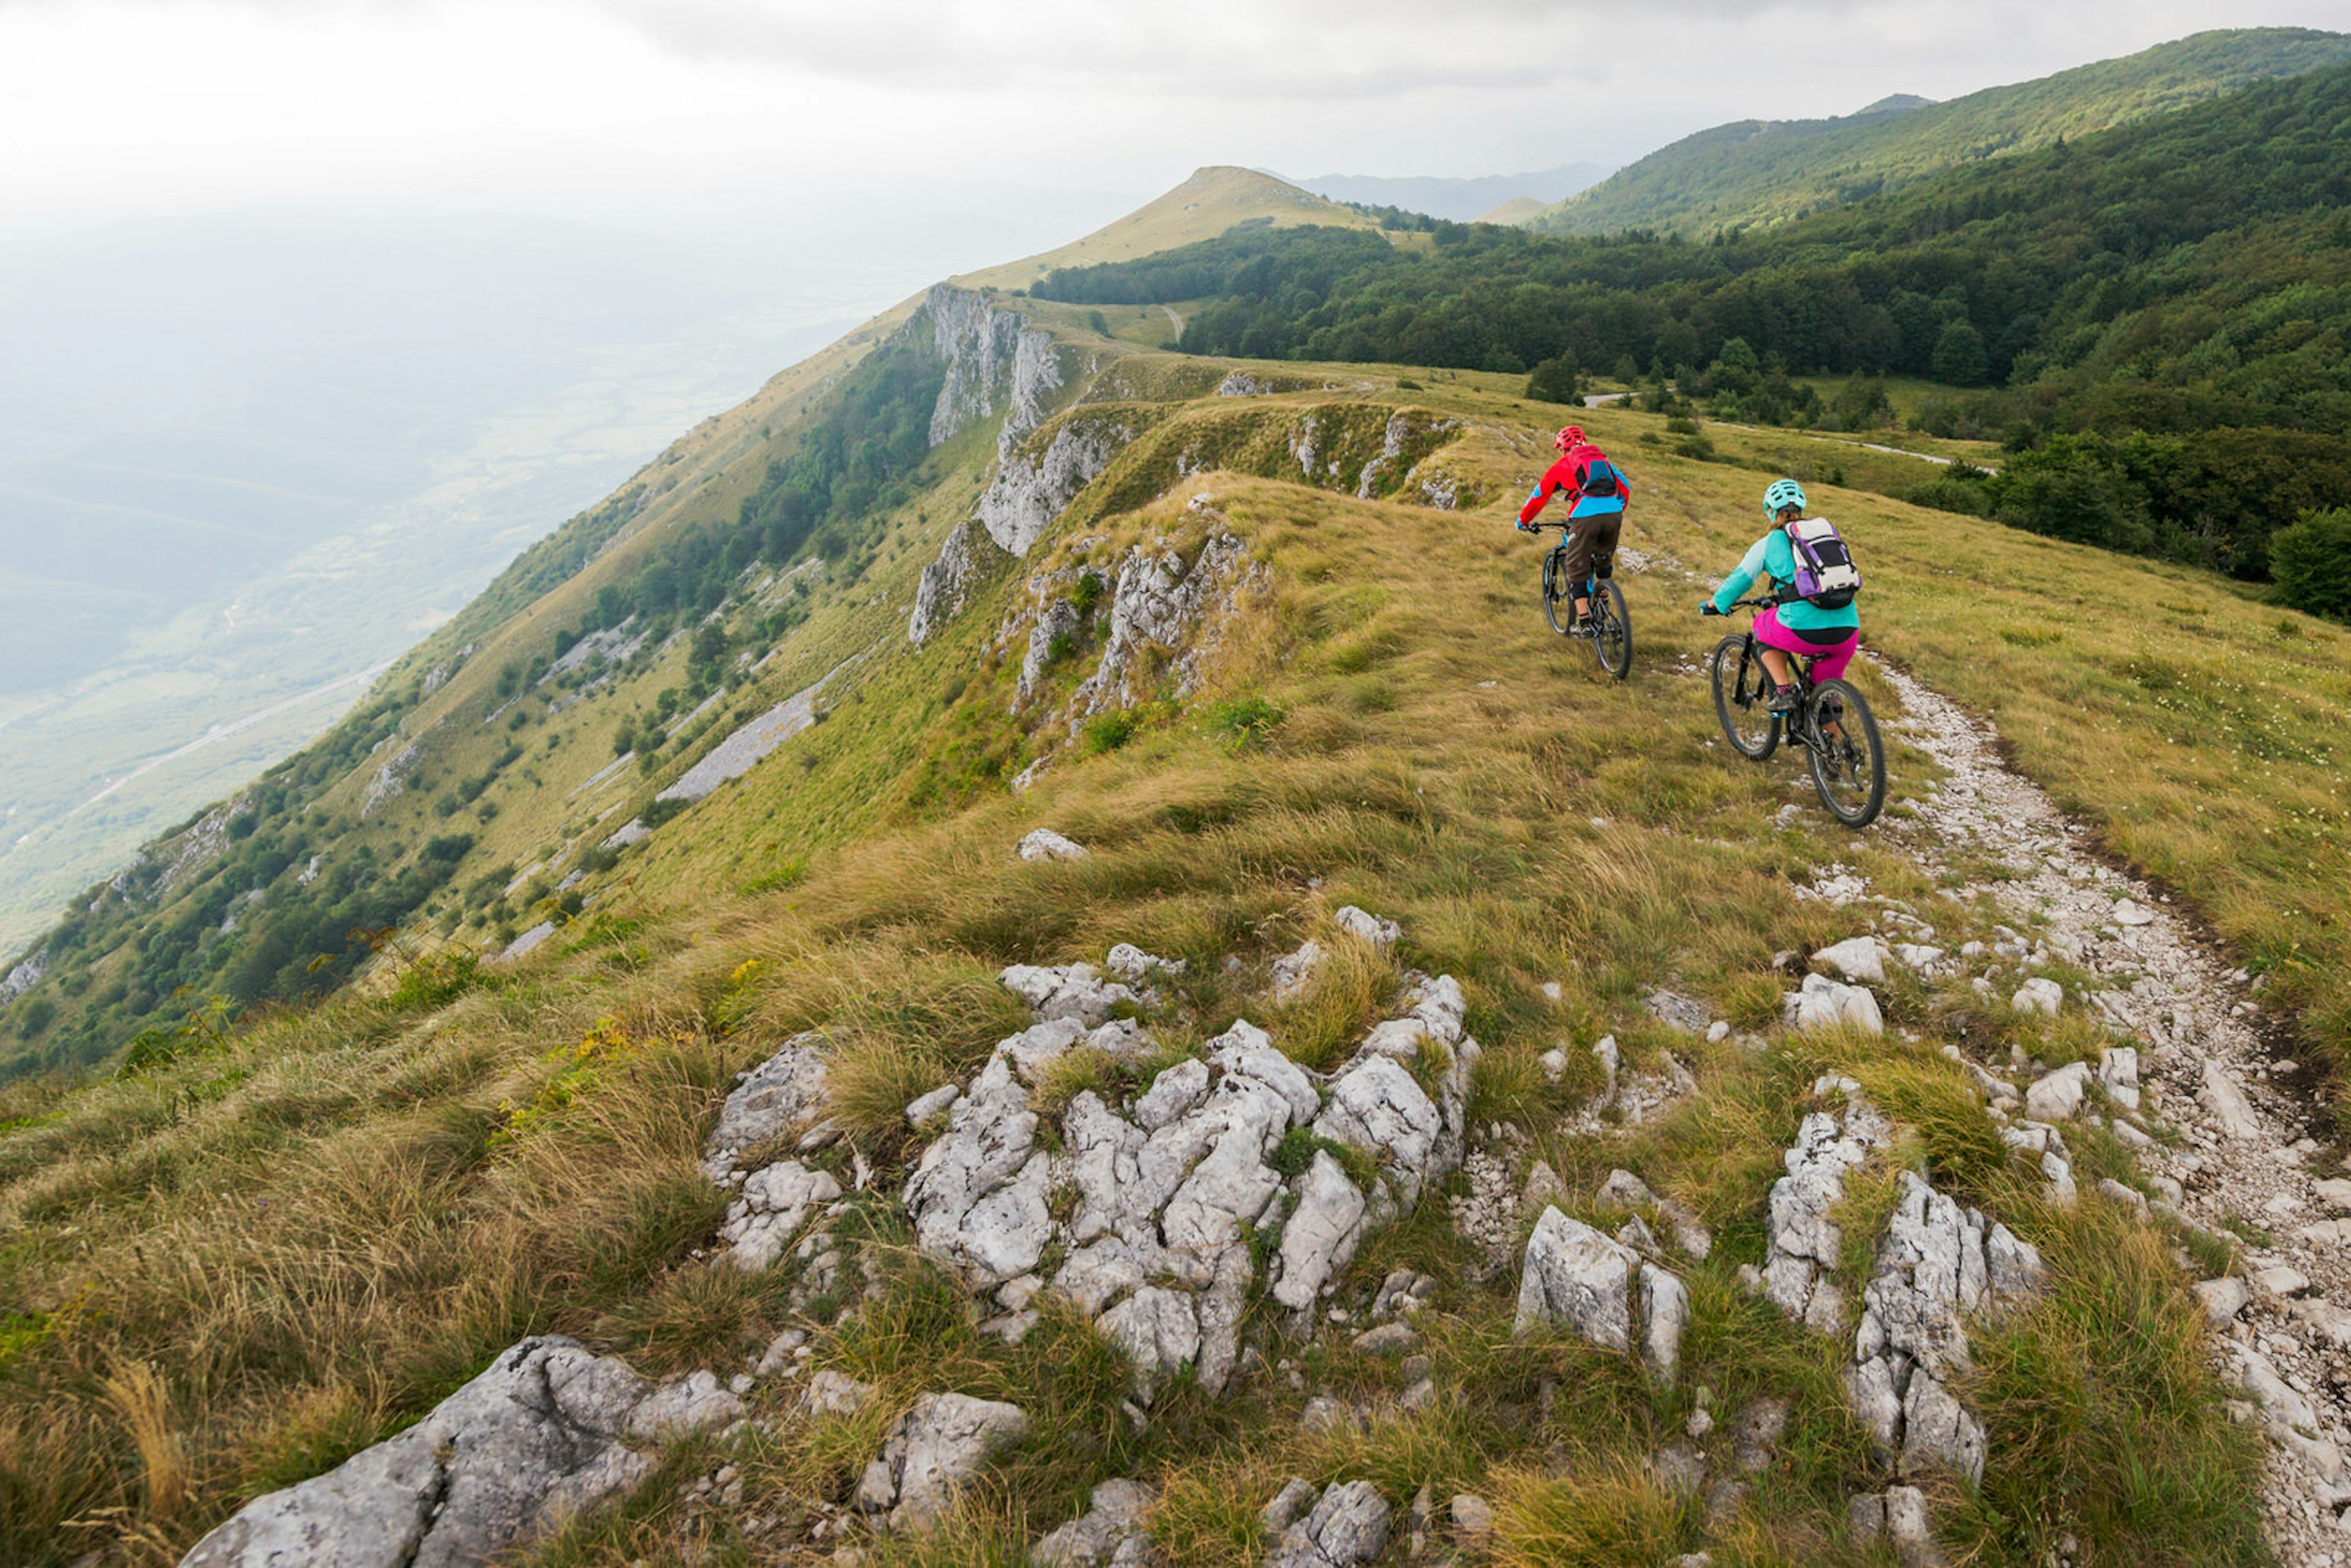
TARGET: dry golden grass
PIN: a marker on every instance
(281, 1251)
(1611, 1513)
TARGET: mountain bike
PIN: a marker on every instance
(1607, 624)
(1832, 721)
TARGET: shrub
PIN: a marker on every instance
(1553, 381)
(2311, 561)
(1109, 731)
(1244, 721)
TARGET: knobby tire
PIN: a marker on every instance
(1558, 595)
(1740, 693)
(1611, 629)
(1849, 770)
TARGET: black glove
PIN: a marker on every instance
(1708, 609)
(1527, 528)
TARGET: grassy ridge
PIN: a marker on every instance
(1761, 172)
(361, 1203)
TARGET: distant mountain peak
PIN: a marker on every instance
(1894, 103)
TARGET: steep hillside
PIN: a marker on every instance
(1757, 172)
(992, 740)
(474, 776)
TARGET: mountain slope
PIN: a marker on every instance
(1276, 649)
(464, 757)
(1768, 172)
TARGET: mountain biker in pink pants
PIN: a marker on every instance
(1795, 625)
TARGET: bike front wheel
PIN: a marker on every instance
(1558, 594)
(1612, 628)
(1742, 699)
(1848, 758)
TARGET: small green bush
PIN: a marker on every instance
(2311, 561)
(1109, 731)
(1553, 381)
(1244, 721)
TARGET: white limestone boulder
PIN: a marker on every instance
(931, 1452)
(1822, 1003)
(1859, 960)
(548, 1428)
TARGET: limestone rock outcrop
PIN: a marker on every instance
(992, 357)
(1109, 1534)
(1576, 1279)
(1938, 1264)
(946, 582)
(548, 1429)
(939, 1444)
(782, 1094)
(1160, 602)
(1804, 1243)
(1347, 1525)
(1150, 1205)
(1033, 483)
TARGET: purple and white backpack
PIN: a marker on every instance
(1826, 578)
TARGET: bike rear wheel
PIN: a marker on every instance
(1741, 695)
(1848, 758)
(1558, 594)
(1612, 628)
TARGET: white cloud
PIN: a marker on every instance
(108, 104)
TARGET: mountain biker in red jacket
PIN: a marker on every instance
(1594, 521)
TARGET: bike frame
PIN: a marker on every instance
(1793, 726)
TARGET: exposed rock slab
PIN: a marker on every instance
(946, 582)
(1938, 1264)
(1348, 1525)
(939, 1444)
(1109, 1534)
(781, 1095)
(1151, 1205)
(1805, 1244)
(547, 1430)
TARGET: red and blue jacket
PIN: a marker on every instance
(1567, 474)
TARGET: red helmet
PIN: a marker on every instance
(1571, 438)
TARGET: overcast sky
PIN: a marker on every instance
(116, 106)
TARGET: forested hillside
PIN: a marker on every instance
(2154, 317)
(1757, 172)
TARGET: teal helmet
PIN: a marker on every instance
(1783, 493)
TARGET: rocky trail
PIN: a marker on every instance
(2240, 1154)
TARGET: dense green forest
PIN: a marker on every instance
(1756, 171)
(2174, 296)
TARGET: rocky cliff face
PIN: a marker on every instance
(1032, 487)
(947, 582)
(994, 359)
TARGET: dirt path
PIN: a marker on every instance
(2242, 1152)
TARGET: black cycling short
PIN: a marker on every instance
(1592, 547)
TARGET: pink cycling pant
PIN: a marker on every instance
(1830, 658)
